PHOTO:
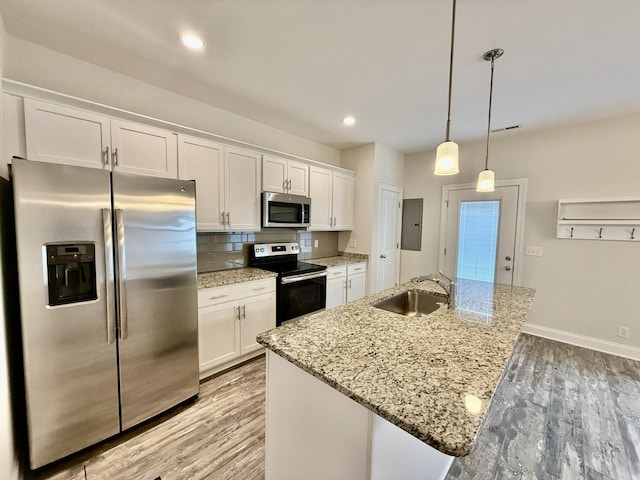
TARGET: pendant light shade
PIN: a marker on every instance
(486, 181)
(447, 153)
(447, 159)
(486, 178)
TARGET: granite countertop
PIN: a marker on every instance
(433, 377)
(229, 277)
(338, 260)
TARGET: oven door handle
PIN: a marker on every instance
(302, 278)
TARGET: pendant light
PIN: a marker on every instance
(486, 178)
(447, 152)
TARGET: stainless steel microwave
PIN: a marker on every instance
(285, 210)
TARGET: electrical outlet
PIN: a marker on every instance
(315, 243)
(352, 243)
(533, 251)
(623, 332)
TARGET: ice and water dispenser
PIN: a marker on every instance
(71, 272)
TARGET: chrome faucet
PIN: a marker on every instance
(450, 289)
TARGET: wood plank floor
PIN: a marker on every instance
(560, 412)
(219, 436)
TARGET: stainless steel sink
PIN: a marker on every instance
(412, 303)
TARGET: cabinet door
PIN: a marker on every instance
(58, 134)
(242, 188)
(298, 175)
(342, 201)
(274, 174)
(320, 180)
(355, 286)
(258, 315)
(218, 334)
(336, 292)
(144, 150)
(203, 161)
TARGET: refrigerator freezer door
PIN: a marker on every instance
(70, 358)
(158, 317)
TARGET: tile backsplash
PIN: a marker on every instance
(224, 250)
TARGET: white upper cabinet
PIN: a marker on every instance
(284, 176)
(59, 134)
(142, 149)
(203, 161)
(227, 184)
(242, 172)
(342, 201)
(331, 195)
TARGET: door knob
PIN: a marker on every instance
(383, 256)
(507, 258)
(507, 268)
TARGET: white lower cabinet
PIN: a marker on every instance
(229, 318)
(345, 283)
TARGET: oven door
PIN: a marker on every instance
(301, 294)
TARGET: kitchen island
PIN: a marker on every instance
(412, 386)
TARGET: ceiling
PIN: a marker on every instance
(301, 65)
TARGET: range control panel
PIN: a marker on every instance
(261, 250)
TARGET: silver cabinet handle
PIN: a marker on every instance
(122, 276)
(222, 217)
(109, 277)
(289, 187)
(258, 289)
(244, 311)
(349, 283)
(215, 297)
(284, 185)
(228, 219)
(238, 315)
(106, 156)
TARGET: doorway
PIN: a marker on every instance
(481, 233)
(388, 237)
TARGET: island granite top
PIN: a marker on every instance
(229, 277)
(431, 376)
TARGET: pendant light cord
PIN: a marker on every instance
(453, 31)
(486, 163)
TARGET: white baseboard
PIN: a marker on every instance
(583, 341)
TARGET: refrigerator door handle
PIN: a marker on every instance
(109, 278)
(122, 270)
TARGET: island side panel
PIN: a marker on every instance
(313, 431)
(398, 454)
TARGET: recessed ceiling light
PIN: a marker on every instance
(192, 41)
(349, 120)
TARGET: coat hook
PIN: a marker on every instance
(633, 232)
(600, 233)
(571, 234)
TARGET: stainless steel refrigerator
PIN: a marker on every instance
(108, 300)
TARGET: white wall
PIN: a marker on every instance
(360, 159)
(39, 66)
(8, 460)
(374, 164)
(584, 287)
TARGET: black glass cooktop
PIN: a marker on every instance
(285, 269)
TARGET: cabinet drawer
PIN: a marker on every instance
(216, 295)
(336, 272)
(357, 268)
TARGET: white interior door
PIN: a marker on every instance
(481, 231)
(388, 242)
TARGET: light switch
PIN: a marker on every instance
(315, 243)
(533, 251)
